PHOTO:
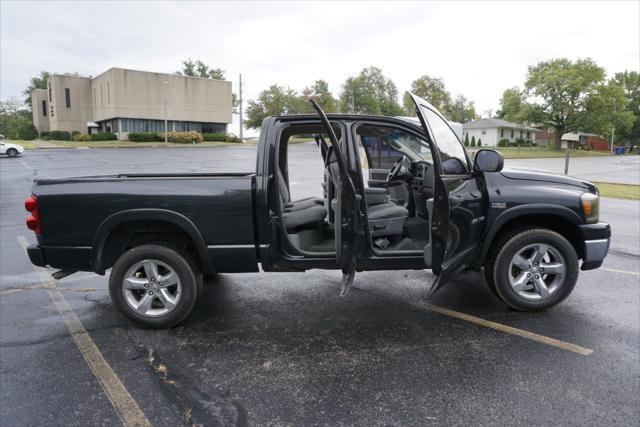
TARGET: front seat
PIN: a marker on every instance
(305, 213)
(386, 219)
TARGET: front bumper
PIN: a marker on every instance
(597, 238)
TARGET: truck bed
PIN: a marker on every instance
(73, 210)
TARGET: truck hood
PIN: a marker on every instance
(530, 175)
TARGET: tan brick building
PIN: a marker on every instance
(123, 101)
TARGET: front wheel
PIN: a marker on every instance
(154, 285)
(12, 152)
(535, 270)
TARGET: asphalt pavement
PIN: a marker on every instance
(285, 349)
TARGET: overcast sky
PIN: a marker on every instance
(478, 48)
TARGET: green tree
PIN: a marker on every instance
(457, 109)
(461, 110)
(559, 90)
(466, 139)
(430, 88)
(370, 92)
(605, 108)
(275, 101)
(512, 105)
(630, 82)
(473, 141)
(479, 142)
(37, 82)
(15, 121)
(320, 93)
(197, 68)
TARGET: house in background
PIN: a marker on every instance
(576, 140)
(123, 101)
(492, 131)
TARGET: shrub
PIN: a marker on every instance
(81, 137)
(44, 134)
(61, 135)
(233, 138)
(479, 142)
(145, 136)
(103, 136)
(27, 131)
(503, 142)
(466, 139)
(184, 137)
(214, 137)
(473, 141)
(74, 133)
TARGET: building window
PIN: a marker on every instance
(108, 94)
(44, 108)
(501, 133)
(511, 133)
(484, 132)
(67, 97)
(49, 92)
(528, 134)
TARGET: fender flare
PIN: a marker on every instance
(108, 225)
(519, 211)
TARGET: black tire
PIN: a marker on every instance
(182, 266)
(499, 268)
(12, 152)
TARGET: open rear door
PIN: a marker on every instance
(345, 206)
(456, 217)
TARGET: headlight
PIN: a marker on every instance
(590, 206)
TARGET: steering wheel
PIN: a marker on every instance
(396, 168)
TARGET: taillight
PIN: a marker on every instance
(33, 220)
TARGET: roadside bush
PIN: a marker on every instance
(81, 137)
(479, 142)
(145, 136)
(233, 138)
(466, 139)
(184, 137)
(74, 133)
(473, 141)
(503, 142)
(44, 134)
(221, 137)
(61, 135)
(104, 136)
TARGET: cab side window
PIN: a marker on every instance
(452, 155)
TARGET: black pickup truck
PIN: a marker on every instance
(397, 194)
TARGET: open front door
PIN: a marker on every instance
(345, 206)
(457, 215)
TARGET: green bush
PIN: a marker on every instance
(60, 135)
(466, 139)
(503, 142)
(81, 137)
(104, 136)
(74, 133)
(145, 136)
(473, 141)
(221, 137)
(44, 134)
(479, 142)
(184, 137)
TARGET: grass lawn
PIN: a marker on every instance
(543, 152)
(619, 191)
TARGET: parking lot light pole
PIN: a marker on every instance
(166, 82)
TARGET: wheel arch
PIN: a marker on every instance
(556, 218)
(111, 229)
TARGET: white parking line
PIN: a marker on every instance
(122, 401)
(614, 270)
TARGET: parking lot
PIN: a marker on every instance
(285, 349)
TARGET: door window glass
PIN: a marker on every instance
(451, 150)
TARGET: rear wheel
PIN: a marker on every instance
(155, 286)
(535, 270)
(12, 152)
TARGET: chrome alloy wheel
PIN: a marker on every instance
(151, 288)
(537, 271)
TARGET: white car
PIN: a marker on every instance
(11, 150)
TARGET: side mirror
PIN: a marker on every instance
(488, 161)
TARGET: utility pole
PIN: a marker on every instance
(240, 108)
(166, 139)
(613, 130)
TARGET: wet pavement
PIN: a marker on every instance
(285, 349)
